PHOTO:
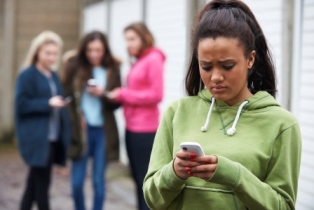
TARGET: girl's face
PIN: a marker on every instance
(95, 52)
(48, 55)
(134, 42)
(224, 68)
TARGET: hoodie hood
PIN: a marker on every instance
(259, 100)
(153, 51)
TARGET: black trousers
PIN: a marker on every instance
(37, 185)
(139, 147)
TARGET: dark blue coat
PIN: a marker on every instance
(32, 112)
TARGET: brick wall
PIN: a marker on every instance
(34, 16)
(1, 51)
(30, 17)
(6, 78)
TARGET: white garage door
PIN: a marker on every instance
(305, 108)
(168, 21)
(123, 12)
(95, 18)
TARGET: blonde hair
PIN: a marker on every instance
(45, 37)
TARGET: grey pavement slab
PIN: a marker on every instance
(120, 190)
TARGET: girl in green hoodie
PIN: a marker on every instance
(252, 145)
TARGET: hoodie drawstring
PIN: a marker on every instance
(231, 131)
(204, 128)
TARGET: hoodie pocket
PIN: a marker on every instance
(209, 199)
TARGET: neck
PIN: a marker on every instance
(245, 95)
(144, 52)
(43, 69)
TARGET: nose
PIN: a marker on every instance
(216, 76)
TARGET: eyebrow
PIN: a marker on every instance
(221, 61)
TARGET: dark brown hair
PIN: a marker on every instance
(144, 33)
(232, 19)
(83, 63)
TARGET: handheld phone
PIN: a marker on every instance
(192, 147)
(68, 99)
(91, 82)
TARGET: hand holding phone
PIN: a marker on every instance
(57, 102)
(193, 147)
(186, 165)
(91, 83)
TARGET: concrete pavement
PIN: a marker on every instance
(120, 191)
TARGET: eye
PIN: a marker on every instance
(206, 68)
(228, 67)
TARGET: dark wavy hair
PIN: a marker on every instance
(144, 33)
(83, 63)
(232, 19)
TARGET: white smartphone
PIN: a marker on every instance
(192, 147)
(91, 82)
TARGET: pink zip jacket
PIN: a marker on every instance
(144, 91)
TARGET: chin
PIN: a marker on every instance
(219, 96)
(132, 54)
(222, 97)
(49, 66)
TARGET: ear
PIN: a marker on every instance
(251, 59)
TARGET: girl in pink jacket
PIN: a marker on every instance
(140, 100)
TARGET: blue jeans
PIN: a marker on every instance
(96, 150)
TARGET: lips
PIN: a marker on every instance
(218, 88)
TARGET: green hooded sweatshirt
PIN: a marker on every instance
(258, 166)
